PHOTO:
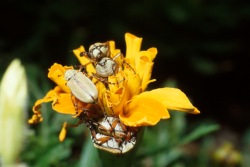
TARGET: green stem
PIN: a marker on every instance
(113, 160)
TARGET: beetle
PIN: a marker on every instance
(99, 50)
(81, 86)
(112, 126)
(106, 67)
(99, 54)
(103, 140)
(113, 136)
(111, 145)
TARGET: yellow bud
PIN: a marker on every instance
(13, 106)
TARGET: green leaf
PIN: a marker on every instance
(89, 155)
(199, 132)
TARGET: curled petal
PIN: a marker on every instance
(150, 54)
(149, 107)
(133, 46)
(56, 74)
(49, 97)
(144, 111)
(36, 118)
(174, 99)
(63, 104)
(113, 50)
(145, 66)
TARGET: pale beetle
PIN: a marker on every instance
(81, 86)
(99, 53)
(113, 136)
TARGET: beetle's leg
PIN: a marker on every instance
(75, 103)
(66, 125)
(118, 55)
(99, 141)
(102, 140)
(86, 54)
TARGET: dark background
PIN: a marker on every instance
(203, 45)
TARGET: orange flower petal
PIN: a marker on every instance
(85, 61)
(113, 50)
(145, 66)
(133, 46)
(63, 132)
(144, 111)
(64, 104)
(149, 107)
(173, 99)
(49, 97)
(133, 83)
(56, 74)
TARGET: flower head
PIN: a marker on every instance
(121, 94)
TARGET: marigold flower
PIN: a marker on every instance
(121, 95)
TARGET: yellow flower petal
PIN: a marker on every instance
(149, 107)
(174, 99)
(36, 118)
(144, 111)
(133, 46)
(133, 83)
(63, 132)
(113, 50)
(85, 61)
(150, 54)
(145, 66)
(63, 104)
(56, 74)
(49, 97)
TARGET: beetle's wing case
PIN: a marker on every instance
(110, 145)
(99, 50)
(106, 67)
(82, 87)
(69, 74)
(111, 126)
(127, 146)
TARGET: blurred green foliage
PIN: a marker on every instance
(202, 45)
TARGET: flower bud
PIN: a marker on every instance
(13, 106)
